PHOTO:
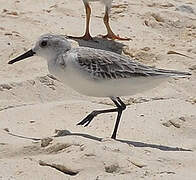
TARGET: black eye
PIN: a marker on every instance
(44, 43)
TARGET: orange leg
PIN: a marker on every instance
(110, 33)
(87, 35)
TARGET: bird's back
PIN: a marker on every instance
(103, 64)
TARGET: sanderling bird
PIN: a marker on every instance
(110, 34)
(95, 72)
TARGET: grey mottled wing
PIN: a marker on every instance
(102, 64)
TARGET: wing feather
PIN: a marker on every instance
(102, 64)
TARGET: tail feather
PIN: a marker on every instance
(172, 73)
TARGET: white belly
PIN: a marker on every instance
(85, 84)
(105, 2)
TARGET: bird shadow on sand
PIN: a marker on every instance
(101, 43)
(61, 133)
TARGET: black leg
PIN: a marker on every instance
(121, 103)
(120, 107)
(86, 121)
(116, 124)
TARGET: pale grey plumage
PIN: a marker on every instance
(101, 64)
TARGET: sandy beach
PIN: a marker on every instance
(39, 139)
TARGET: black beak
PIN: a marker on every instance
(23, 56)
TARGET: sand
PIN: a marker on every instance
(39, 138)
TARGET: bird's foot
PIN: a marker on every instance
(86, 121)
(113, 37)
(86, 37)
(113, 136)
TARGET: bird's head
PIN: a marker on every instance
(48, 46)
